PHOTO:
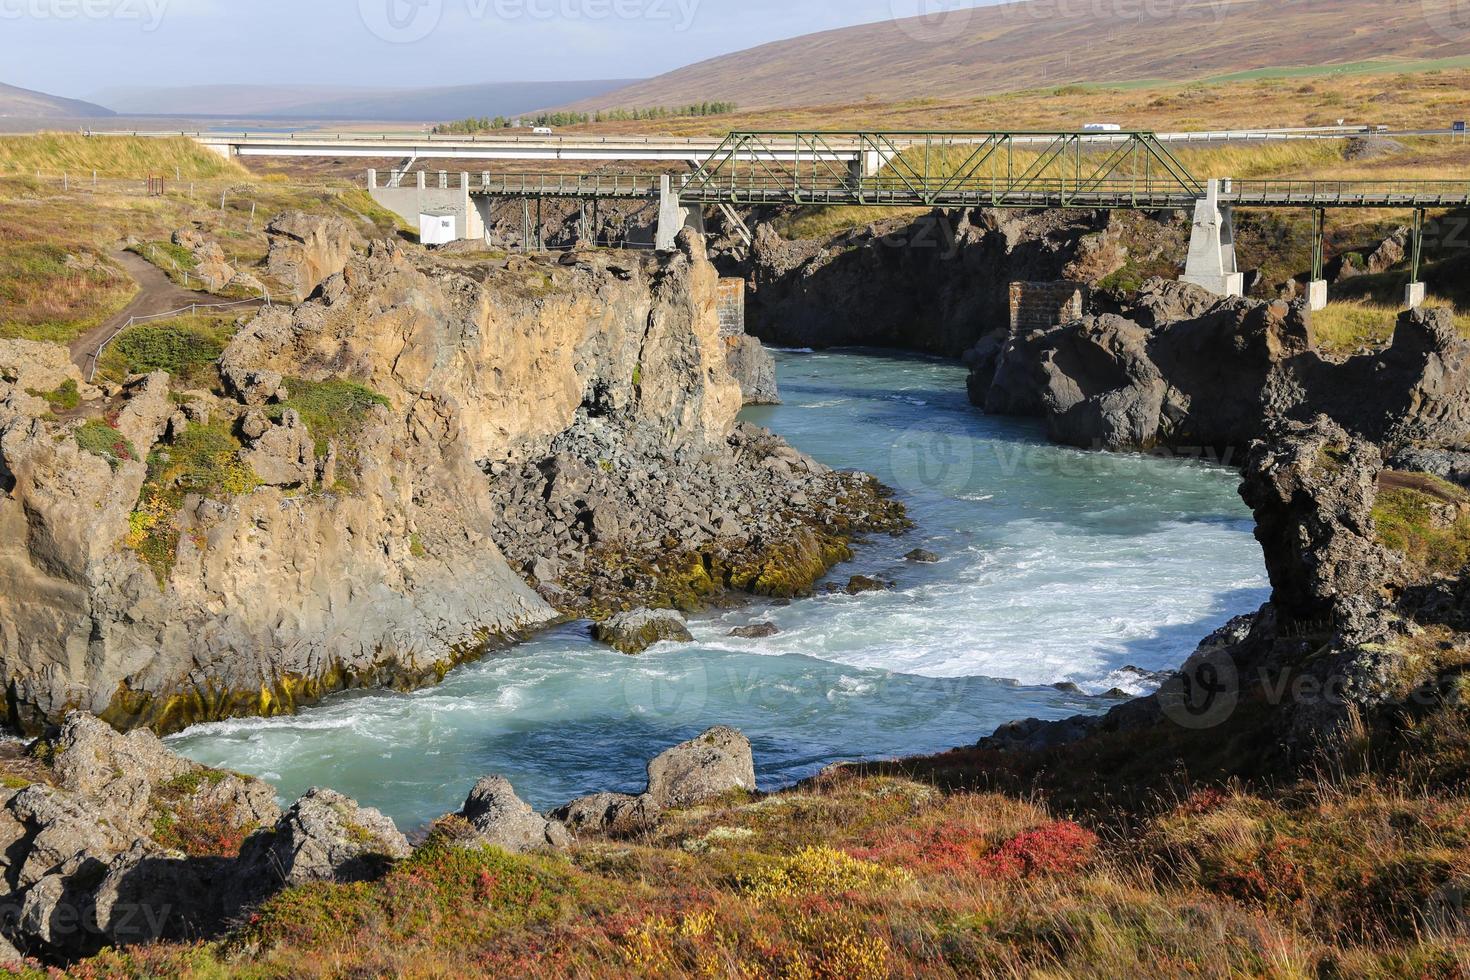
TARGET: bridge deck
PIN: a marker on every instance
(1050, 192)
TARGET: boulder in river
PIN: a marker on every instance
(921, 557)
(756, 631)
(859, 584)
(636, 631)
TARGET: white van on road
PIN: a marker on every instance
(541, 131)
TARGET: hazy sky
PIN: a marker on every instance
(79, 47)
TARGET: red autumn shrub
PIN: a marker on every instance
(1056, 849)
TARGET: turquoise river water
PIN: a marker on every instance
(1058, 566)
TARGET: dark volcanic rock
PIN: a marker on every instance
(922, 557)
(859, 584)
(1313, 489)
(754, 367)
(1190, 372)
(756, 631)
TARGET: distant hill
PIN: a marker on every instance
(23, 103)
(1027, 45)
(349, 104)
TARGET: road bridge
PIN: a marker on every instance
(954, 169)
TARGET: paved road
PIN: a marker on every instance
(156, 294)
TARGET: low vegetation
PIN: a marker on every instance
(1357, 876)
(187, 348)
(101, 439)
(334, 410)
(65, 398)
(53, 290)
(1425, 519)
(204, 459)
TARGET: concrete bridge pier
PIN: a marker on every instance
(673, 216)
(1211, 263)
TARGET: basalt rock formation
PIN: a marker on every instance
(1182, 369)
(306, 250)
(1360, 626)
(936, 284)
(337, 513)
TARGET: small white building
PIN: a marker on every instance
(439, 226)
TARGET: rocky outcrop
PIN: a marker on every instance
(636, 631)
(1344, 639)
(323, 837)
(30, 366)
(1186, 371)
(937, 284)
(754, 368)
(211, 270)
(306, 250)
(128, 844)
(501, 819)
(326, 524)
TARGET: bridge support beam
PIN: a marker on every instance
(674, 217)
(1415, 294)
(1211, 263)
(1317, 295)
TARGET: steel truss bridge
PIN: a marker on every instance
(965, 169)
(1013, 169)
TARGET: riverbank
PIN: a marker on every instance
(1056, 567)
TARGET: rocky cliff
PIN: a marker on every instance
(328, 516)
(936, 284)
(1186, 370)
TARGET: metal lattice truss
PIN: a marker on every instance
(918, 169)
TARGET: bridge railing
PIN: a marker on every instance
(974, 191)
(1350, 193)
(565, 185)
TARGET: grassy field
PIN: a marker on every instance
(79, 156)
(56, 279)
(1344, 327)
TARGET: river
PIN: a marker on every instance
(1058, 566)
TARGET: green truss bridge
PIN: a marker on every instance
(1090, 170)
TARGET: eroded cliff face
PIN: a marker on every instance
(1192, 372)
(936, 284)
(323, 520)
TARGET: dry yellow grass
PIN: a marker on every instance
(1344, 327)
(112, 156)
